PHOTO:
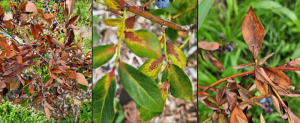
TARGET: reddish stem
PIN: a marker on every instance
(211, 89)
(244, 74)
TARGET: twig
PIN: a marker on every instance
(211, 89)
(145, 14)
(146, 4)
(208, 119)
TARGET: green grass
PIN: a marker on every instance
(281, 22)
(13, 114)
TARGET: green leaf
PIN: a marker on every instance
(141, 88)
(147, 115)
(102, 54)
(180, 84)
(172, 34)
(152, 67)
(176, 55)
(203, 9)
(113, 21)
(143, 43)
(103, 99)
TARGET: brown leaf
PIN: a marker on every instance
(294, 63)
(277, 76)
(238, 116)
(4, 45)
(275, 100)
(27, 41)
(56, 70)
(263, 60)
(245, 98)
(58, 43)
(15, 46)
(220, 94)
(202, 55)
(31, 7)
(71, 38)
(216, 62)
(31, 89)
(253, 32)
(215, 117)
(2, 13)
(74, 19)
(262, 76)
(18, 99)
(22, 7)
(129, 22)
(71, 74)
(261, 87)
(8, 24)
(64, 56)
(208, 45)
(292, 116)
(47, 112)
(2, 85)
(81, 79)
(20, 60)
(244, 65)
(231, 97)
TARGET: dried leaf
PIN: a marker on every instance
(220, 94)
(261, 87)
(47, 112)
(253, 32)
(231, 97)
(275, 100)
(244, 66)
(294, 63)
(129, 22)
(278, 76)
(208, 45)
(238, 116)
(81, 79)
(31, 89)
(262, 120)
(74, 19)
(263, 60)
(216, 62)
(58, 43)
(245, 98)
(31, 7)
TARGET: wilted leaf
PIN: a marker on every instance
(4, 45)
(253, 32)
(277, 76)
(238, 116)
(176, 55)
(31, 89)
(244, 66)
(113, 21)
(103, 98)
(74, 19)
(129, 22)
(58, 43)
(263, 60)
(261, 87)
(180, 84)
(1, 13)
(81, 79)
(71, 74)
(208, 45)
(102, 54)
(141, 88)
(219, 95)
(143, 43)
(31, 7)
(112, 4)
(152, 67)
(275, 100)
(231, 97)
(292, 116)
(245, 98)
(47, 112)
(294, 63)
(216, 62)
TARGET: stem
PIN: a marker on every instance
(120, 38)
(211, 89)
(245, 73)
(146, 4)
(145, 14)
(165, 46)
(230, 77)
(208, 119)
(187, 40)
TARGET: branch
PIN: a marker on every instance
(139, 11)
(245, 73)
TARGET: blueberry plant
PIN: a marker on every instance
(233, 101)
(150, 96)
(38, 44)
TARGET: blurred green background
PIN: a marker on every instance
(280, 19)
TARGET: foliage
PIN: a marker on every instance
(149, 96)
(13, 114)
(241, 56)
(36, 45)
